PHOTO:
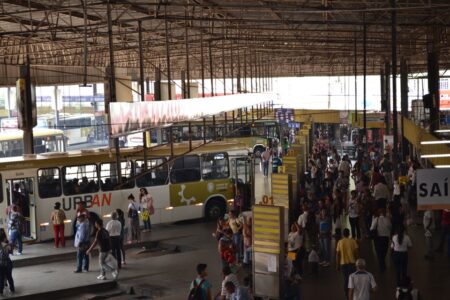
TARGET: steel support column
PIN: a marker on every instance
(232, 68)
(26, 109)
(188, 75)
(404, 104)
(355, 54)
(433, 88)
(211, 71)
(142, 85)
(387, 86)
(202, 63)
(112, 89)
(169, 77)
(394, 83)
(365, 81)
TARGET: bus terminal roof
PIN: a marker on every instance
(269, 38)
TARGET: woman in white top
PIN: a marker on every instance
(146, 201)
(381, 225)
(400, 244)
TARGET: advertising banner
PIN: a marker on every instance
(139, 116)
(433, 189)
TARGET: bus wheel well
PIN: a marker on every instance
(215, 207)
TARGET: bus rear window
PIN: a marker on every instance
(185, 169)
(80, 179)
(49, 183)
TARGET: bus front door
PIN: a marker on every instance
(21, 191)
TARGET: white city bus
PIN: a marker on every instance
(194, 185)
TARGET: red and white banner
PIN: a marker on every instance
(129, 117)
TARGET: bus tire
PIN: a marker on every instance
(257, 152)
(215, 208)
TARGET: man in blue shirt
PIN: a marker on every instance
(202, 283)
(82, 243)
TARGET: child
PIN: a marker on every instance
(313, 260)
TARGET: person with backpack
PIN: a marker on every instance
(15, 228)
(133, 216)
(200, 288)
(406, 291)
(106, 261)
(5, 263)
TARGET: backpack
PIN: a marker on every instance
(4, 256)
(196, 292)
(14, 221)
(404, 295)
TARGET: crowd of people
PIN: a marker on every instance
(343, 202)
(89, 232)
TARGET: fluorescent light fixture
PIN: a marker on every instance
(435, 155)
(169, 208)
(107, 216)
(67, 221)
(44, 224)
(435, 142)
(442, 131)
(442, 166)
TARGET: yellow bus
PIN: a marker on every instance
(187, 186)
(45, 140)
(257, 135)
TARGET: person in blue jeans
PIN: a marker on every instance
(15, 228)
(325, 237)
(82, 243)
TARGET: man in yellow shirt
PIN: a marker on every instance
(346, 255)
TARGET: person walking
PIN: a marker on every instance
(201, 284)
(57, 217)
(445, 230)
(361, 283)
(400, 244)
(121, 219)
(105, 259)
(265, 158)
(228, 276)
(15, 221)
(114, 228)
(381, 230)
(346, 254)
(381, 193)
(6, 265)
(236, 226)
(428, 227)
(353, 215)
(81, 242)
(146, 202)
(133, 216)
(325, 237)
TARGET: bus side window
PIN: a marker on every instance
(49, 183)
(157, 172)
(215, 166)
(80, 179)
(108, 175)
(185, 169)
